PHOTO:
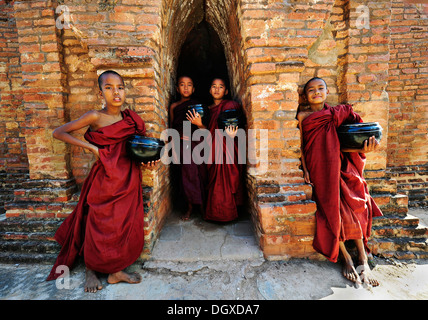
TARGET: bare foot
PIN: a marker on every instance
(92, 283)
(365, 274)
(123, 276)
(186, 216)
(350, 273)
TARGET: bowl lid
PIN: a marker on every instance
(196, 106)
(146, 141)
(230, 113)
(360, 127)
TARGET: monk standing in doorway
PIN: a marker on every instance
(225, 179)
(191, 177)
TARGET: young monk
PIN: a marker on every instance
(106, 227)
(344, 206)
(225, 180)
(191, 176)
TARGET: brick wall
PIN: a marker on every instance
(13, 155)
(12, 143)
(408, 94)
(43, 88)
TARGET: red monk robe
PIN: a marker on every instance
(225, 185)
(106, 227)
(192, 177)
(344, 206)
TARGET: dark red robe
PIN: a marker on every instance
(191, 177)
(344, 206)
(225, 180)
(106, 227)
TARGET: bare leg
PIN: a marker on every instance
(363, 265)
(123, 276)
(186, 216)
(92, 283)
(348, 269)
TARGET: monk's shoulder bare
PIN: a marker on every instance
(93, 118)
(92, 115)
(173, 105)
(302, 115)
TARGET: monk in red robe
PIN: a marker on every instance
(106, 227)
(344, 207)
(191, 177)
(225, 174)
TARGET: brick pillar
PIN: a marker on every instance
(13, 154)
(43, 87)
(276, 42)
(43, 96)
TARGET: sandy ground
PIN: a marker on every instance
(227, 265)
(226, 280)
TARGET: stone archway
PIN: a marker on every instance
(179, 18)
(201, 38)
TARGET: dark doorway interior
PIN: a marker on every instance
(202, 57)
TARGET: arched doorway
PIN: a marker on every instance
(202, 56)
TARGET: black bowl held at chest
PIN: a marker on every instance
(203, 111)
(352, 136)
(231, 117)
(144, 149)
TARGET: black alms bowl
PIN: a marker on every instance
(231, 117)
(353, 135)
(144, 149)
(203, 111)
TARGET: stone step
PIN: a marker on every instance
(30, 246)
(24, 236)
(391, 220)
(39, 210)
(275, 188)
(29, 226)
(392, 204)
(399, 232)
(404, 255)
(27, 257)
(28, 240)
(380, 245)
(18, 191)
(46, 194)
(381, 185)
(400, 248)
(287, 207)
(289, 196)
(13, 179)
(10, 181)
(419, 204)
(419, 198)
(31, 184)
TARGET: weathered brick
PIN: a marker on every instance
(48, 77)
